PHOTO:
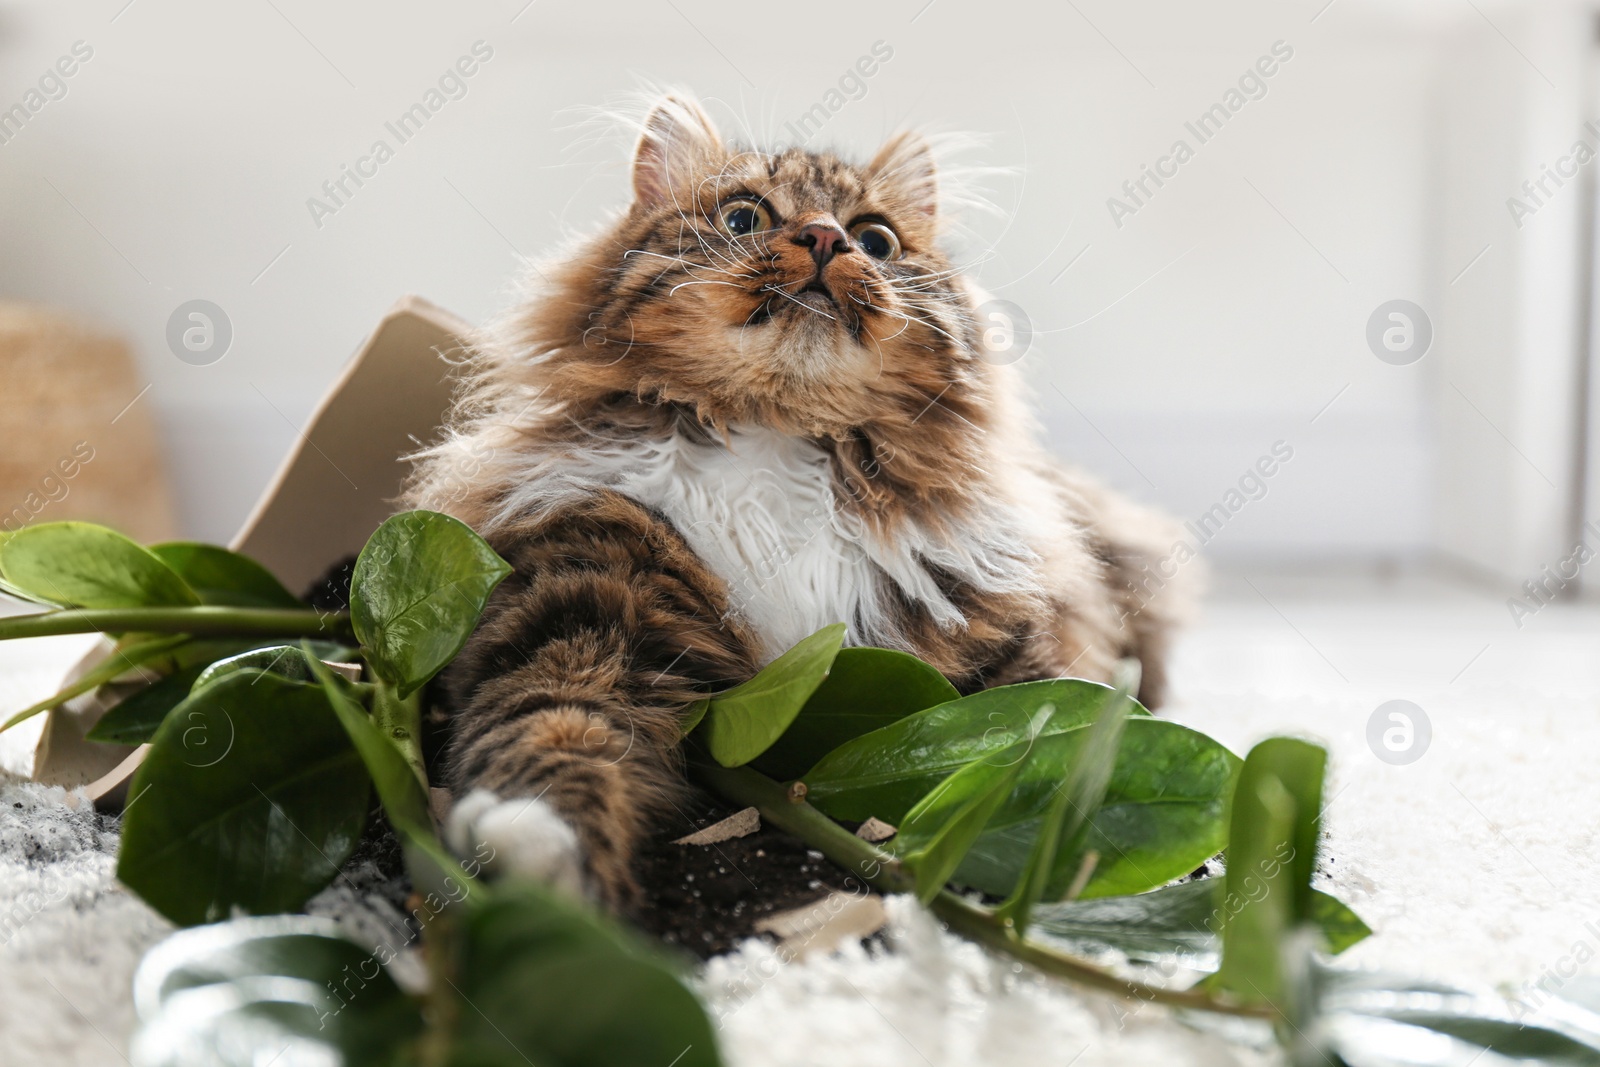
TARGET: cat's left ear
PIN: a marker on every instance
(678, 142)
(905, 162)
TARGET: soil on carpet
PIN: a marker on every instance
(705, 899)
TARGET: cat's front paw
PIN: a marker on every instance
(519, 837)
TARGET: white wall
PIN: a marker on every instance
(1172, 352)
(1505, 382)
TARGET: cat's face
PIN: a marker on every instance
(789, 288)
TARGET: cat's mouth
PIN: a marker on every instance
(816, 292)
(814, 296)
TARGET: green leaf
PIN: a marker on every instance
(744, 721)
(288, 661)
(416, 593)
(1272, 851)
(119, 662)
(79, 564)
(939, 830)
(1164, 814)
(219, 576)
(10, 590)
(884, 772)
(202, 651)
(136, 718)
(238, 993)
(1060, 841)
(251, 798)
(867, 688)
(1179, 924)
(1341, 927)
(693, 716)
(1368, 1016)
(543, 981)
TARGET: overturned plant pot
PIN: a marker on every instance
(336, 485)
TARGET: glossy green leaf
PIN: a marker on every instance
(693, 716)
(136, 718)
(1272, 849)
(251, 797)
(121, 661)
(416, 593)
(1176, 924)
(941, 827)
(1455, 1040)
(743, 722)
(1369, 1017)
(867, 688)
(1059, 844)
(1179, 924)
(219, 576)
(1341, 927)
(1164, 812)
(287, 661)
(886, 771)
(79, 564)
(7, 589)
(242, 993)
(202, 651)
(544, 981)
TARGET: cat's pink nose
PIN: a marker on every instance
(825, 238)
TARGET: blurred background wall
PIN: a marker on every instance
(1178, 337)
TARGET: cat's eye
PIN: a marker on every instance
(740, 217)
(877, 240)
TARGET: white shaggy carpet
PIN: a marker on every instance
(1473, 864)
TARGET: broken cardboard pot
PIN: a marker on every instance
(337, 485)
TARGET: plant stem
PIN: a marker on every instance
(200, 621)
(400, 720)
(883, 872)
(122, 661)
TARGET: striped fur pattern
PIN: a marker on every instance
(696, 442)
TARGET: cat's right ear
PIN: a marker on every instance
(678, 142)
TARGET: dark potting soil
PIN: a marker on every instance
(705, 899)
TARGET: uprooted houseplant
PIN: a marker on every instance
(1049, 821)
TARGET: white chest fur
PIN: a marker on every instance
(764, 517)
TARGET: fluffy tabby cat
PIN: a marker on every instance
(750, 407)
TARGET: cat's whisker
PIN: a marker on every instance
(747, 319)
(699, 237)
(932, 275)
(703, 281)
(679, 260)
(910, 315)
(932, 285)
(953, 272)
(891, 314)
